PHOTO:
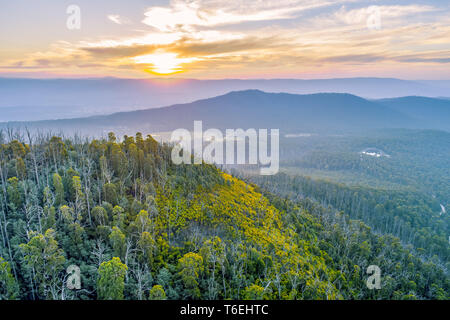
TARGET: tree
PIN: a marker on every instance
(190, 265)
(9, 289)
(142, 223)
(117, 239)
(111, 282)
(44, 261)
(213, 253)
(59, 189)
(157, 293)
(145, 245)
(21, 169)
(254, 292)
(14, 193)
(56, 150)
(110, 193)
(119, 217)
(99, 216)
(80, 199)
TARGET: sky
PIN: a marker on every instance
(216, 39)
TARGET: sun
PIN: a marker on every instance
(163, 63)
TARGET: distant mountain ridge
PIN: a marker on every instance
(42, 99)
(258, 109)
(432, 112)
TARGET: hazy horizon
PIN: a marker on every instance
(81, 77)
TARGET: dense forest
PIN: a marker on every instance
(139, 227)
(412, 159)
(408, 215)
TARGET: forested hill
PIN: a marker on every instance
(291, 113)
(139, 227)
(106, 93)
(245, 109)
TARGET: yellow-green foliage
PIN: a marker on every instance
(111, 279)
(240, 213)
(157, 293)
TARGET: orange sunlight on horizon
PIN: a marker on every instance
(163, 63)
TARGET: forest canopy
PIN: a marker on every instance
(139, 227)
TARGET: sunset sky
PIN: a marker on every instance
(211, 39)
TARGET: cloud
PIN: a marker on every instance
(427, 60)
(117, 19)
(355, 58)
(220, 47)
(437, 57)
(120, 51)
(186, 15)
(207, 37)
(189, 47)
(384, 11)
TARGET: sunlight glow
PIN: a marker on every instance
(163, 63)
